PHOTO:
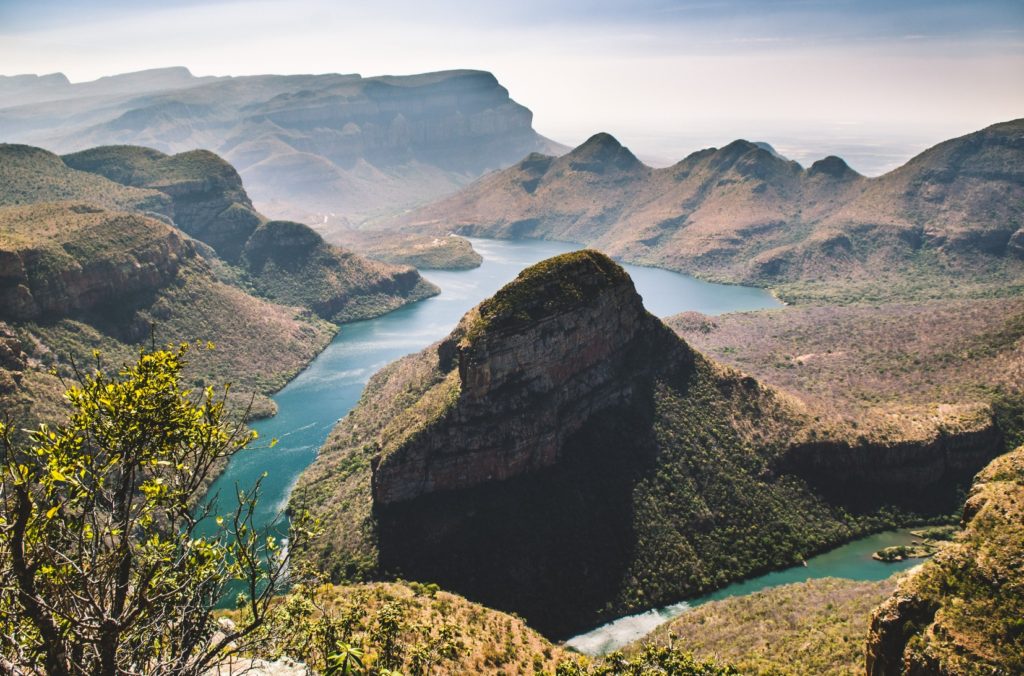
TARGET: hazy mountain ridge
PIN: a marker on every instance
(949, 222)
(324, 149)
(18, 90)
(621, 451)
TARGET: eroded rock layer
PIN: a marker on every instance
(562, 454)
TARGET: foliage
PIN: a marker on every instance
(291, 264)
(553, 285)
(969, 598)
(409, 628)
(812, 627)
(102, 565)
(651, 660)
(31, 175)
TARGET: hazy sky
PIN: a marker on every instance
(872, 80)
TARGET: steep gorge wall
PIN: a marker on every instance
(922, 474)
(83, 274)
(522, 394)
(960, 613)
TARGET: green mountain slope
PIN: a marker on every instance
(90, 261)
(286, 262)
(813, 627)
(74, 278)
(948, 223)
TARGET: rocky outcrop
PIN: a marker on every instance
(534, 364)
(207, 198)
(1016, 244)
(961, 612)
(562, 454)
(919, 473)
(104, 260)
(13, 360)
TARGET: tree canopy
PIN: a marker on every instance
(103, 567)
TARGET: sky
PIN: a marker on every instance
(872, 81)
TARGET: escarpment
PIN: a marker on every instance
(961, 612)
(328, 149)
(283, 261)
(60, 260)
(562, 454)
(920, 473)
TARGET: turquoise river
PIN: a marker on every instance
(311, 404)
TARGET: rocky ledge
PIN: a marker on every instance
(96, 259)
(961, 612)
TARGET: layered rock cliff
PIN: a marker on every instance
(533, 364)
(961, 612)
(61, 260)
(562, 454)
(284, 261)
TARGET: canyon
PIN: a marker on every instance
(560, 428)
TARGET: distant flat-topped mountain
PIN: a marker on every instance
(949, 222)
(323, 149)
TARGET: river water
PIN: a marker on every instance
(852, 561)
(311, 404)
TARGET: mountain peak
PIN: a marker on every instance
(832, 166)
(600, 152)
(601, 139)
(552, 287)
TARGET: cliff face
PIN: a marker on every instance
(960, 613)
(94, 260)
(923, 473)
(562, 454)
(525, 386)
